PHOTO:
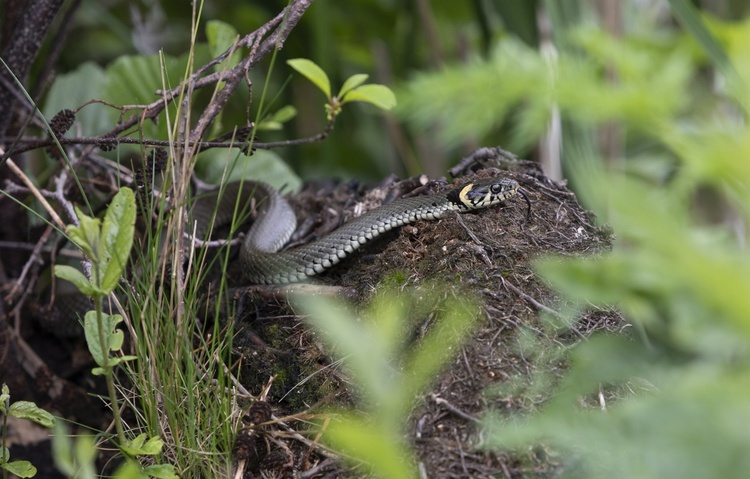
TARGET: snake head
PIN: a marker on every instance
(483, 193)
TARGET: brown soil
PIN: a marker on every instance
(487, 254)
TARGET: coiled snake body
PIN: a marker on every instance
(263, 263)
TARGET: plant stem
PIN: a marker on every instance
(108, 370)
(5, 428)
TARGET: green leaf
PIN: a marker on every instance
(117, 238)
(352, 82)
(29, 410)
(438, 347)
(161, 471)
(277, 119)
(263, 165)
(221, 36)
(113, 337)
(86, 234)
(139, 446)
(130, 469)
(366, 359)
(20, 468)
(4, 454)
(71, 274)
(361, 438)
(379, 95)
(134, 80)
(74, 88)
(62, 450)
(312, 72)
(4, 398)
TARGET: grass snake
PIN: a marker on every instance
(262, 262)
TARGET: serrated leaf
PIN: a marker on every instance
(312, 72)
(20, 468)
(378, 95)
(161, 471)
(71, 274)
(116, 238)
(32, 412)
(112, 336)
(221, 36)
(352, 82)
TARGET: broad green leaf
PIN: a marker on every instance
(20, 468)
(32, 412)
(352, 82)
(221, 36)
(312, 72)
(264, 165)
(71, 274)
(135, 79)
(379, 95)
(117, 238)
(112, 336)
(161, 471)
(74, 88)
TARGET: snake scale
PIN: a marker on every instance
(262, 262)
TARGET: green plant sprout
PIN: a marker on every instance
(21, 410)
(388, 370)
(353, 88)
(107, 246)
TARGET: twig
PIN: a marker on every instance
(35, 191)
(536, 304)
(442, 402)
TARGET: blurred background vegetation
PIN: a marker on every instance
(641, 104)
(397, 42)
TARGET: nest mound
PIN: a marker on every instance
(487, 254)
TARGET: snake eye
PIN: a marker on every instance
(496, 188)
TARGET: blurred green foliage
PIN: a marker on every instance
(387, 368)
(678, 269)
